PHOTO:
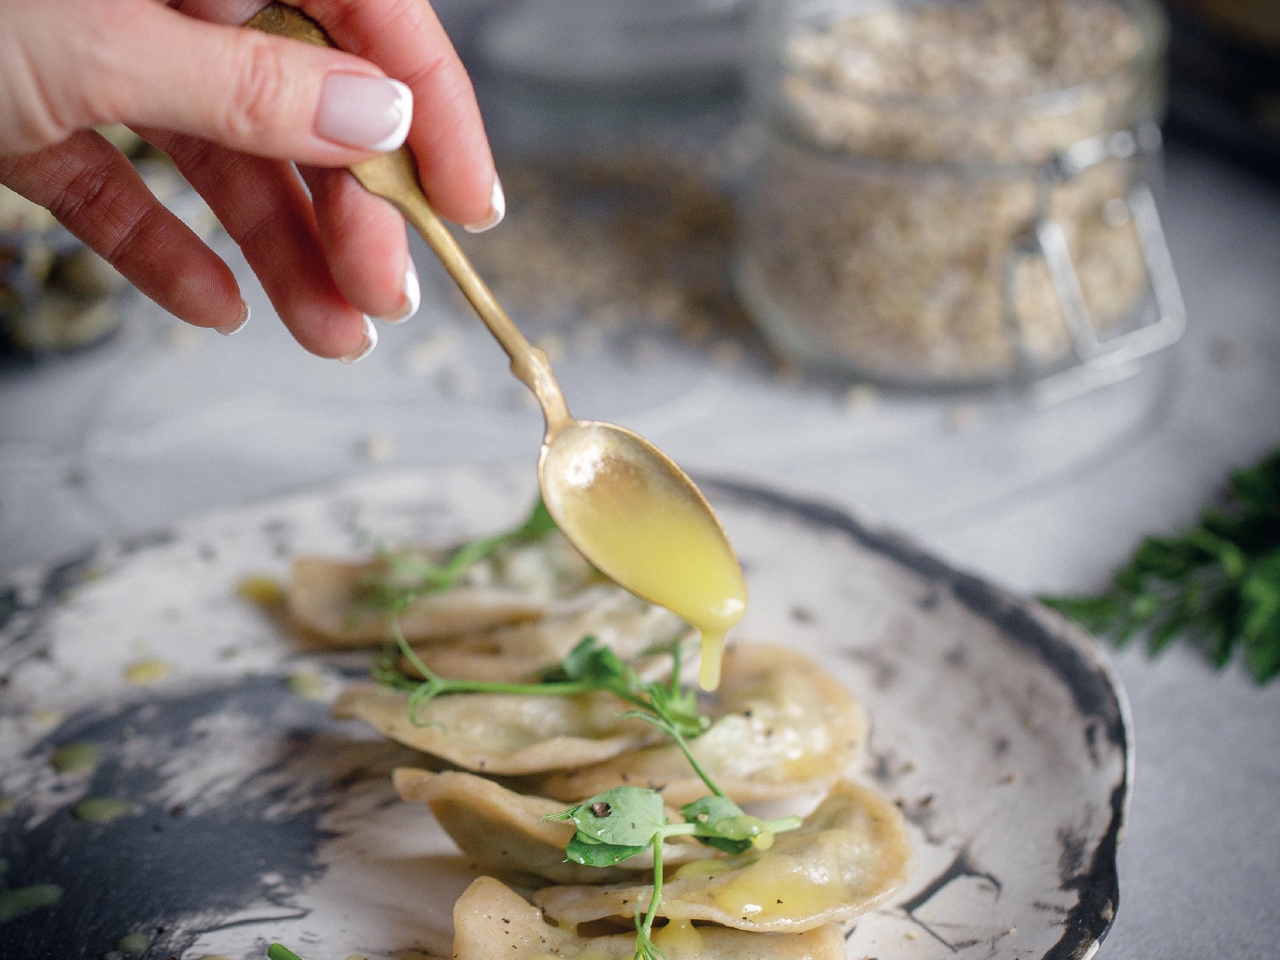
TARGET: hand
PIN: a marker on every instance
(232, 107)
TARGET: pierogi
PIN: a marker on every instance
(505, 831)
(519, 582)
(499, 733)
(616, 619)
(492, 922)
(849, 856)
(781, 726)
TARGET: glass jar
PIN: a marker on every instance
(952, 192)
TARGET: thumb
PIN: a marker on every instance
(242, 89)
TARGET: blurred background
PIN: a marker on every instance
(1003, 273)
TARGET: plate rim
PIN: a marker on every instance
(1066, 648)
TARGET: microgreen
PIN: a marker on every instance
(589, 668)
(1216, 584)
(278, 951)
(405, 577)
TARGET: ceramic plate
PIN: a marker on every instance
(998, 728)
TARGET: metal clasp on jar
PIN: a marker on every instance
(1098, 361)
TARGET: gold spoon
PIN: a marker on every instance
(619, 499)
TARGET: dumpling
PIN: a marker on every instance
(782, 726)
(492, 922)
(618, 620)
(500, 733)
(850, 855)
(504, 831)
(517, 583)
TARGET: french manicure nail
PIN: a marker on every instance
(372, 113)
(366, 348)
(412, 295)
(497, 210)
(227, 329)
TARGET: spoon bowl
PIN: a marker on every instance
(640, 519)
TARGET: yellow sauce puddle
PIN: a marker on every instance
(146, 672)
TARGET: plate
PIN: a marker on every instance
(997, 727)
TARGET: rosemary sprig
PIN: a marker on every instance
(1217, 584)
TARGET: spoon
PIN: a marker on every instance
(620, 501)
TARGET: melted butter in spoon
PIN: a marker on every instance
(638, 518)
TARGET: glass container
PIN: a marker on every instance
(954, 193)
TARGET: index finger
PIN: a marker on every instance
(406, 40)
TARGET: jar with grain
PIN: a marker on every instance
(952, 192)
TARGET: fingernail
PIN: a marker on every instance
(227, 329)
(372, 113)
(412, 295)
(497, 210)
(366, 348)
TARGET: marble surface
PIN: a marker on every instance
(164, 422)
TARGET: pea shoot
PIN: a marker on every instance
(407, 577)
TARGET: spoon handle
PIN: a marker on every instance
(394, 177)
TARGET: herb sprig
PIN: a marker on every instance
(407, 577)
(589, 668)
(1216, 584)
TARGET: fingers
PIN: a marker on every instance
(96, 194)
(140, 63)
(405, 38)
(68, 64)
(364, 241)
(264, 208)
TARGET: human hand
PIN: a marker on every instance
(232, 107)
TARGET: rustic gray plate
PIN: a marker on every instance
(999, 729)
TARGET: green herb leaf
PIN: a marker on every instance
(731, 847)
(623, 816)
(593, 853)
(1217, 584)
(709, 811)
(590, 662)
(405, 577)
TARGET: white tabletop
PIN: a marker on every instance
(163, 422)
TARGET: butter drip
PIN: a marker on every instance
(636, 522)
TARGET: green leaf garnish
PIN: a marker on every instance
(593, 853)
(406, 577)
(1217, 584)
(623, 816)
